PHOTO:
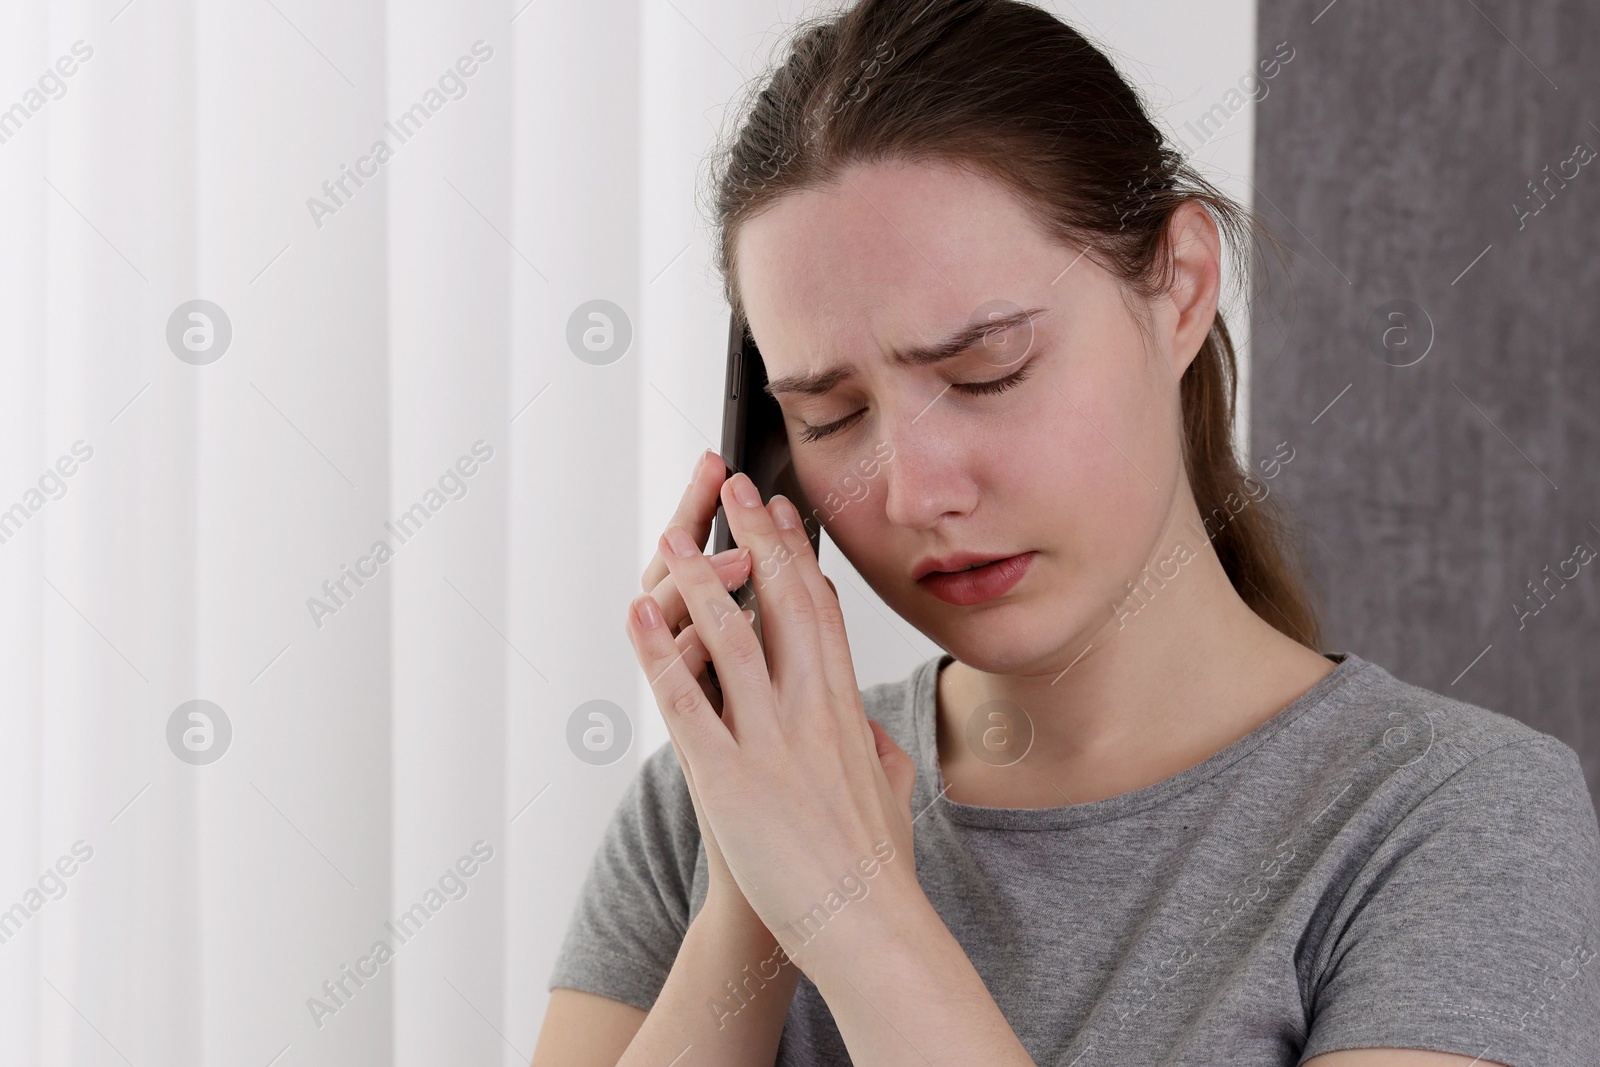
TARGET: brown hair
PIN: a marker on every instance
(1009, 91)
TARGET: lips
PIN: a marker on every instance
(979, 584)
(955, 563)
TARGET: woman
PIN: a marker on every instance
(1132, 814)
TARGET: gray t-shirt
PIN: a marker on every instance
(1375, 866)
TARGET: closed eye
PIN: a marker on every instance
(989, 388)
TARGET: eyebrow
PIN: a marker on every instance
(961, 341)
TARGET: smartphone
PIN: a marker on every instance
(753, 437)
(754, 441)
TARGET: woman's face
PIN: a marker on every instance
(1080, 463)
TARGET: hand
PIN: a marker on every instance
(696, 512)
(801, 790)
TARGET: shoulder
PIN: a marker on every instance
(655, 832)
(1458, 860)
(661, 775)
(1412, 740)
(1433, 800)
(660, 794)
(640, 892)
(1399, 790)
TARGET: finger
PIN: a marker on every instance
(698, 813)
(732, 567)
(691, 720)
(696, 657)
(790, 527)
(898, 767)
(692, 652)
(696, 512)
(839, 667)
(729, 637)
(784, 599)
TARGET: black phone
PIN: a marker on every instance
(753, 437)
(754, 441)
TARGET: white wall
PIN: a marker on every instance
(369, 353)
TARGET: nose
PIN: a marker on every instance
(927, 478)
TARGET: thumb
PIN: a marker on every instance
(897, 765)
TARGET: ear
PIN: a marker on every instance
(1191, 306)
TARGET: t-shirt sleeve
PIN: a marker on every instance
(634, 907)
(1474, 927)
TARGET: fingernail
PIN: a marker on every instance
(699, 465)
(680, 542)
(645, 610)
(749, 616)
(744, 491)
(785, 512)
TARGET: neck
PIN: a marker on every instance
(1182, 669)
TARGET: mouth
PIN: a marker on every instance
(957, 563)
(977, 581)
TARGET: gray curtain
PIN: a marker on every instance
(1428, 344)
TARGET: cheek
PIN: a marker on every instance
(1095, 457)
(845, 497)
(833, 489)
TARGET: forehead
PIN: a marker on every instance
(889, 255)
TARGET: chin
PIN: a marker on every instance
(986, 649)
(1030, 645)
